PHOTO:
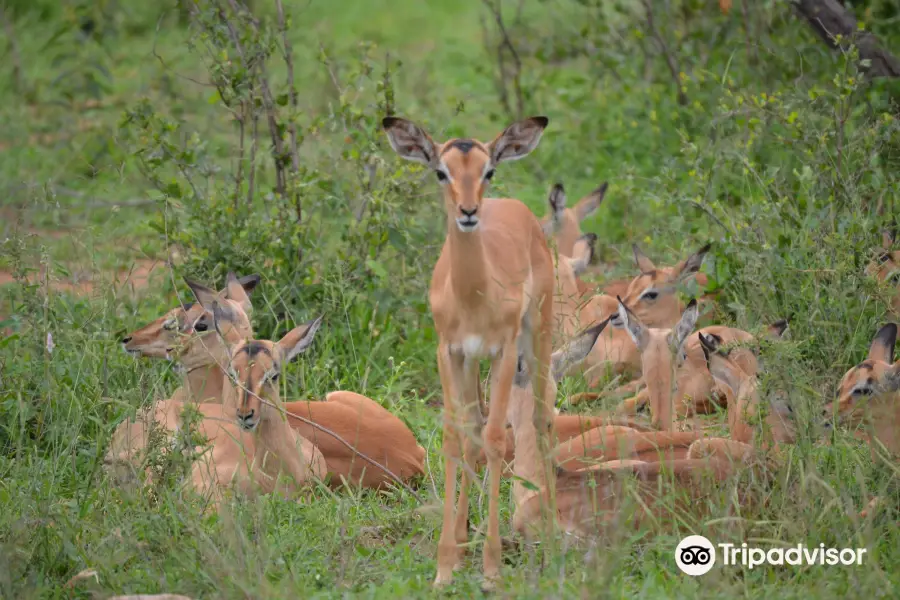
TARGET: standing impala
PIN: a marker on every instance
(492, 289)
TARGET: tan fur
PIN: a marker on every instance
(492, 281)
(869, 395)
(735, 372)
(562, 223)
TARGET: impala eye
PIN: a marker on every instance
(650, 296)
(274, 377)
(863, 391)
(488, 175)
(201, 327)
(442, 177)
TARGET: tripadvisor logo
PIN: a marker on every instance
(695, 555)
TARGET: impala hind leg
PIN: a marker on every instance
(543, 414)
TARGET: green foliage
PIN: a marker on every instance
(784, 156)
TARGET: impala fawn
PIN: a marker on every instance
(735, 371)
(491, 289)
(652, 297)
(185, 335)
(563, 224)
(370, 429)
(869, 395)
(251, 400)
(661, 354)
(696, 387)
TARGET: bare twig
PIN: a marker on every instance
(292, 92)
(671, 61)
(506, 43)
(751, 47)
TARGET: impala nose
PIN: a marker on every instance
(469, 219)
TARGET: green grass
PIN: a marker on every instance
(793, 220)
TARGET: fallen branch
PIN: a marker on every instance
(829, 19)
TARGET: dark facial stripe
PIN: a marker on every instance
(463, 145)
(253, 348)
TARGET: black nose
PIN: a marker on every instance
(468, 213)
(248, 416)
(125, 340)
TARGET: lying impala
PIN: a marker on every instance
(563, 224)
(869, 396)
(185, 334)
(363, 423)
(696, 390)
(491, 289)
(735, 371)
(652, 298)
(886, 268)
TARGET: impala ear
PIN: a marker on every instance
(882, 347)
(298, 339)
(891, 381)
(237, 291)
(644, 264)
(777, 329)
(686, 324)
(222, 319)
(590, 203)
(205, 296)
(583, 253)
(636, 330)
(517, 140)
(575, 351)
(557, 199)
(410, 141)
(887, 239)
(692, 263)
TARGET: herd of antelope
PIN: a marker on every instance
(507, 287)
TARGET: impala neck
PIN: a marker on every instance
(468, 268)
(659, 376)
(204, 383)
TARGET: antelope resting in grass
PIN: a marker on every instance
(652, 297)
(886, 268)
(869, 396)
(252, 401)
(491, 289)
(191, 340)
(735, 371)
(696, 387)
(186, 335)
(564, 224)
(661, 354)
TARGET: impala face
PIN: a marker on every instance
(651, 296)
(254, 369)
(565, 223)
(872, 377)
(463, 167)
(168, 336)
(886, 266)
(187, 330)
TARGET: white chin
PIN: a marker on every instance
(248, 426)
(467, 226)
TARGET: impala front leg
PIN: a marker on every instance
(471, 411)
(448, 550)
(502, 372)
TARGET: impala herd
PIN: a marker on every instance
(507, 287)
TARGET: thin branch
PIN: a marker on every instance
(506, 42)
(292, 92)
(672, 63)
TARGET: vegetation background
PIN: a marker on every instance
(136, 147)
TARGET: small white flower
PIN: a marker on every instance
(50, 344)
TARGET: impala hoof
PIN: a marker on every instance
(442, 580)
